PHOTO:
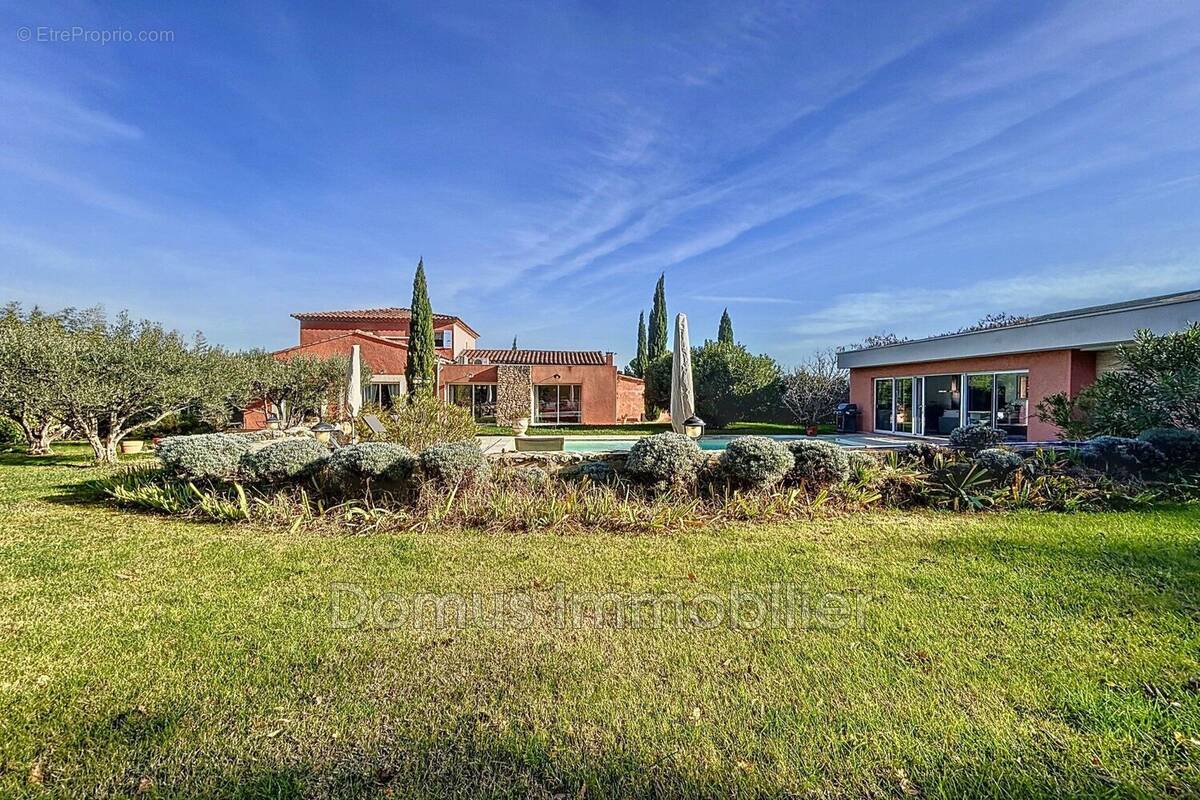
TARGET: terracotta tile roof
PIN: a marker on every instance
(566, 358)
(391, 312)
(355, 333)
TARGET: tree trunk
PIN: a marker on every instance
(42, 437)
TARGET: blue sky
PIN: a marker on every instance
(826, 170)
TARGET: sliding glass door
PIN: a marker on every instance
(940, 410)
(883, 404)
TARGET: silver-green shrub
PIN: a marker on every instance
(998, 462)
(383, 462)
(859, 460)
(1181, 447)
(817, 462)
(973, 438)
(598, 472)
(454, 463)
(1122, 456)
(205, 456)
(528, 476)
(284, 460)
(755, 462)
(664, 458)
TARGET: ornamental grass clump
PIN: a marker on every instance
(1121, 456)
(755, 462)
(664, 459)
(973, 438)
(206, 456)
(371, 463)
(284, 461)
(1180, 447)
(454, 463)
(817, 463)
(998, 462)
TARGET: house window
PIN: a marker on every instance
(558, 403)
(444, 339)
(478, 398)
(384, 395)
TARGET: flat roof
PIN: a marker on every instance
(1093, 327)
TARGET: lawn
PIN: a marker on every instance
(986, 655)
(647, 428)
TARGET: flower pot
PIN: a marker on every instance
(520, 426)
(811, 430)
(130, 446)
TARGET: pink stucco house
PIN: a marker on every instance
(929, 387)
(549, 387)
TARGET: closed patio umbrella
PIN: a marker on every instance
(683, 399)
(354, 382)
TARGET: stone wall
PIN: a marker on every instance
(514, 393)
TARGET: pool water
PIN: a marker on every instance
(605, 445)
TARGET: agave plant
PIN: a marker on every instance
(962, 487)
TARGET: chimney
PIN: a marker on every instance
(608, 359)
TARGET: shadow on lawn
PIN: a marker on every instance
(488, 770)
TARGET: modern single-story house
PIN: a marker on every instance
(929, 387)
(549, 387)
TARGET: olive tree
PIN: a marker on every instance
(812, 390)
(114, 378)
(298, 387)
(28, 342)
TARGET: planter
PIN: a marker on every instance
(130, 446)
(520, 426)
(811, 430)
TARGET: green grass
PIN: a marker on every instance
(992, 655)
(647, 428)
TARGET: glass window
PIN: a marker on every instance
(1012, 403)
(478, 398)
(979, 399)
(883, 404)
(384, 395)
(559, 403)
(942, 404)
(444, 338)
(904, 405)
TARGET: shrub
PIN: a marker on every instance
(732, 384)
(974, 438)
(10, 433)
(421, 422)
(598, 472)
(529, 476)
(664, 458)
(454, 463)
(1122, 456)
(926, 453)
(756, 461)
(284, 460)
(860, 460)
(1180, 447)
(817, 462)
(999, 463)
(372, 461)
(206, 456)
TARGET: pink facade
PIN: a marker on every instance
(1049, 372)
(566, 387)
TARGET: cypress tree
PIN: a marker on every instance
(725, 331)
(658, 322)
(639, 362)
(514, 343)
(421, 371)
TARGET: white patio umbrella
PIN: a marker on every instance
(354, 382)
(683, 398)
